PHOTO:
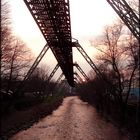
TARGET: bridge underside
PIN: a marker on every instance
(53, 20)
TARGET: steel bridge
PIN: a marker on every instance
(53, 20)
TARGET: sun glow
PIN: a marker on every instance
(89, 16)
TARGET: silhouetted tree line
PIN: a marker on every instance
(118, 62)
(15, 61)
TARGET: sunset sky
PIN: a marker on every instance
(88, 18)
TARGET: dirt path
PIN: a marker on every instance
(73, 120)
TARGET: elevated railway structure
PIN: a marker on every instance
(81, 71)
(78, 78)
(53, 72)
(59, 78)
(127, 15)
(53, 20)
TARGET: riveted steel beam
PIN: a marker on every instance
(87, 58)
(127, 15)
(53, 72)
(81, 71)
(59, 78)
(78, 77)
(53, 20)
(31, 70)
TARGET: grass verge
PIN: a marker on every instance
(27, 114)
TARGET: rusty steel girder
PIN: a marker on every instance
(53, 20)
(81, 71)
(78, 77)
(127, 15)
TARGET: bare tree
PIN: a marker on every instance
(38, 81)
(119, 54)
(19, 62)
(6, 37)
(131, 51)
(15, 56)
(111, 53)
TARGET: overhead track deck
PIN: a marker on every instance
(53, 20)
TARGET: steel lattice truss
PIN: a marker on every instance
(81, 71)
(78, 76)
(53, 19)
(36, 62)
(127, 15)
(53, 72)
(59, 78)
(87, 58)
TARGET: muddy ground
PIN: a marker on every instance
(73, 120)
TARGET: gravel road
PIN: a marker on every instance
(73, 120)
